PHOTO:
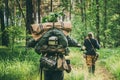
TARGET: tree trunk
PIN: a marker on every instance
(34, 10)
(97, 19)
(51, 6)
(70, 10)
(29, 16)
(20, 8)
(81, 8)
(6, 12)
(105, 22)
(39, 11)
(2, 27)
(83, 15)
(5, 36)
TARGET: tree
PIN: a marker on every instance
(39, 11)
(83, 14)
(5, 36)
(20, 8)
(29, 16)
(105, 22)
(97, 20)
(2, 26)
(51, 5)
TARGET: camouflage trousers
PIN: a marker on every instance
(90, 61)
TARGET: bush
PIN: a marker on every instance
(110, 58)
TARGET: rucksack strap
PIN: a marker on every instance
(92, 45)
(40, 72)
(41, 27)
(62, 24)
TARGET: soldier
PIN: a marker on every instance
(53, 74)
(90, 45)
(51, 39)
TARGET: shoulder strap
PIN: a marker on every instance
(41, 27)
(91, 44)
(62, 24)
(40, 69)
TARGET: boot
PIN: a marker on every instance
(90, 69)
(93, 69)
(69, 66)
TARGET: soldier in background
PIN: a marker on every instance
(90, 45)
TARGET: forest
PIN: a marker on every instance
(102, 17)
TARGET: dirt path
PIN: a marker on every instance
(80, 71)
(101, 73)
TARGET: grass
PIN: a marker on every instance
(113, 65)
(77, 65)
(19, 64)
(110, 59)
(108, 65)
(24, 65)
(15, 70)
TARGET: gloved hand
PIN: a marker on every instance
(69, 66)
(78, 45)
(84, 55)
(83, 48)
(68, 61)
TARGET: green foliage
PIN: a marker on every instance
(114, 65)
(24, 65)
(87, 20)
(15, 33)
(112, 23)
(19, 65)
(110, 59)
(16, 70)
(79, 30)
(52, 17)
(75, 75)
(65, 4)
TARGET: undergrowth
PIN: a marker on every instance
(23, 64)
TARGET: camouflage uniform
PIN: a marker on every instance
(53, 74)
(91, 55)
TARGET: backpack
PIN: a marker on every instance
(38, 30)
(51, 37)
(53, 45)
(53, 41)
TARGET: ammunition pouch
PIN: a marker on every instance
(48, 62)
(55, 63)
